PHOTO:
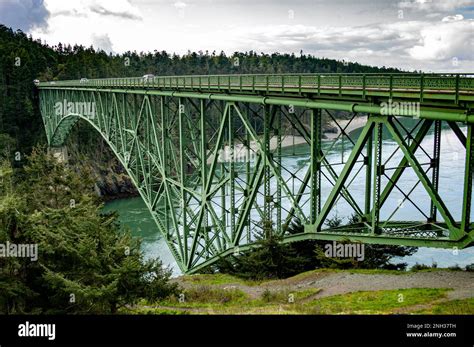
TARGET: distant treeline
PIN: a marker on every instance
(23, 59)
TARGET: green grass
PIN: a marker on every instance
(464, 306)
(207, 300)
(153, 311)
(204, 296)
(375, 302)
(284, 296)
(217, 279)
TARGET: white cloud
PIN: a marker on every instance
(405, 44)
(83, 22)
(102, 41)
(117, 8)
(445, 40)
(434, 5)
(369, 38)
(371, 35)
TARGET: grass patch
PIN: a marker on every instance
(208, 300)
(217, 279)
(153, 311)
(285, 296)
(375, 302)
(464, 306)
(205, 296)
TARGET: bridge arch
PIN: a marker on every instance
(62, 130)
(168, 142)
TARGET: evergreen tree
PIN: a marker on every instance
(85, 263)
(269, 259)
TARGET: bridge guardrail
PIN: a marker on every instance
(450, 86)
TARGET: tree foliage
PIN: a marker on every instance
(85, 263)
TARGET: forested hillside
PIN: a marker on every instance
(23, 59)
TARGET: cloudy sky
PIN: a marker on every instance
(431, 35)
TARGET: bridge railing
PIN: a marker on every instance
(453, 85)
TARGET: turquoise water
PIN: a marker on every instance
(134, 214)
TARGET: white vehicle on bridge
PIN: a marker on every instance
(83, 80)
(148, 77)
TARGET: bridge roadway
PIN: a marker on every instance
(168, 133)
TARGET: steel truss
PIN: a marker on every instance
(214, 171)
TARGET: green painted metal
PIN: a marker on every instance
(453, 87)
(209, 154)
(377, 177)
(316, 135)
(468, 177)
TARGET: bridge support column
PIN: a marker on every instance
(368, 178)
(225, 108)
(60, 153)
(435, 166)
(278, 161)
(377, 175)
(267, 223)
(247, 166)
(316, 134)
(164, 153)
(468, 177)
(230, 139)
(182, 178)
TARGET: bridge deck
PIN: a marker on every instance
(444, 88)
(169, 134)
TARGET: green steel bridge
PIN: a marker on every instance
(210, 155)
